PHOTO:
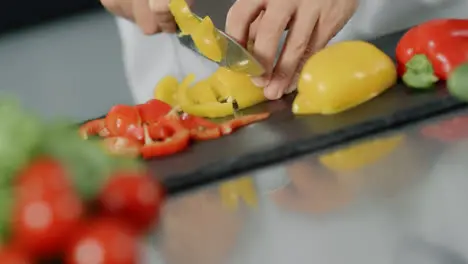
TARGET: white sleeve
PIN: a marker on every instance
(379, 17)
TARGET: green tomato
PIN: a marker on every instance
(457, 83)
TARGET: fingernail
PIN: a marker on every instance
(260, 81)
(271, 93)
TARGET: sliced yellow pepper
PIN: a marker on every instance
(342, 76)
(360, 155)
(239, 189)
(202, 92)
(206, 39)
(166, 89)
(184, 18)
(238, 86)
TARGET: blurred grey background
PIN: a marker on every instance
(66, 61)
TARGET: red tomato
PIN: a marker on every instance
(42, 176)
(42, 224)
(103, 241)
(134, 198)
(122, 120)
(12, 256)
(152, 110)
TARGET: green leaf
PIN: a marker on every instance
(6, 206)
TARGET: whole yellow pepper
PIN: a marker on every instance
(342, 76)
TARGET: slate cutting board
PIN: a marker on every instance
(285, 136)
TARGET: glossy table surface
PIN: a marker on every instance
(397, 197)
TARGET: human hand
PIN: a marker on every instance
(311, 23)
(152, 16)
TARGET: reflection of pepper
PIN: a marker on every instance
(242, 188)
(178, 140)
(200, 129)
(359, 155)
(451, 130)
(431, 51)
(236, 123)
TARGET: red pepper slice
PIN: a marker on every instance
(158, 132)
(176, 142)
(124, 121)
(230, 126)
(153, 110)
(432, 50)
(122, 146)
(93, 128)
(200, 128)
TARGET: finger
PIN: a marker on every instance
(297, 43)
(269, 32)
(119, 8)
(254, 26)
(168, 27)
(240, 16)
(144, 17)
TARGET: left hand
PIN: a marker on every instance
(311, 23)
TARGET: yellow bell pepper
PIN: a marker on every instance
(208, 109)
(239, 189)
(207, 40)
(202, 92)
(203, 99)
(360, 155)
(166, 89)
(183, 16)
(227, 83)
(342, 76)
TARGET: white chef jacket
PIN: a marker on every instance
(149, 58)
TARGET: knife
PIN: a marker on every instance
(235, 57)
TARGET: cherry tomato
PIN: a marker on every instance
(42, 224)
(122, 120)
(103, 241)
(43, 175)
(152, 110)
(134, 198)
(12, 256)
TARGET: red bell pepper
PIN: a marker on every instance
(124, 121)
(200, 128)
(122, 146)
(431, 51)
(153, 110)
(178, 140)
(93, 128)
(230, 126)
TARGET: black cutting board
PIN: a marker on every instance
(285, 136)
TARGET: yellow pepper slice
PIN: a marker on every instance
(238, 86)
(211, 110)
(166, 89)
(239, 189)
(206, 39)
(183, 16)
(357, 156)
(342, 76)
(202, 92)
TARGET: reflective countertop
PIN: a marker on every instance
(396, 197)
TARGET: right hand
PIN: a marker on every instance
(152, 16)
